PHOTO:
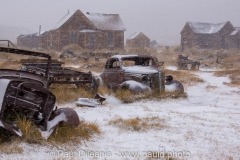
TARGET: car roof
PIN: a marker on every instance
(130, 56)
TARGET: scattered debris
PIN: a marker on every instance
(96, 101)
(58, 74)
(185, 63)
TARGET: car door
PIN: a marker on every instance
(113, 73)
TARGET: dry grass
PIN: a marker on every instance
(12, 148)
(125, 95)
(234, 76)
(104, 90)
(68, 93)
(10, 65)
(30, 131)
(65, 133)
(139, 124)
(185, 77)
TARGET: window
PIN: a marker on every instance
(110, 38)
(112, 63)
(73, 36)
(92, 41)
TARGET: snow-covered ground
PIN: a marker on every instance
(206, 125)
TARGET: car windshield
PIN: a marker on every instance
(142, 61)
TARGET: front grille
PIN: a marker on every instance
(158, 81)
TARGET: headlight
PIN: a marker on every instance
(146, 80)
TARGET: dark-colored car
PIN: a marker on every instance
(139, 73)
(25, 94)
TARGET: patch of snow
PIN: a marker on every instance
(171, 87)
(112, 100)
(173, 68)
(140, 69)
(73, 66)
(89, 102)
(52, 124)
(63, 19)
(134, 35)
(87, 30)
(124, 56)
(136, 86)
(206, 28)
(208, 69)
(106, 21)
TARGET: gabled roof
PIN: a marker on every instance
(236, 31)
(98, 20)
(63, 20)
(206, 28)
(136, 35)
(106, 21)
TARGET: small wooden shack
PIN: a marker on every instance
(138, 40)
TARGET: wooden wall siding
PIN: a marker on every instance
(29, 41)
(77, 30)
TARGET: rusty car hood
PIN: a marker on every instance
(140, 69)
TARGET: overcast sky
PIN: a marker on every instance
(160, 20)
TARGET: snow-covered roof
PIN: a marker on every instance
(33, 34)
(236, 31)
(124, 56)
(134, 35)
(206, 28)
(106, 21)
(87, 30)
(63, 20)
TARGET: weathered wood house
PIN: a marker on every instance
(233, 40)
(205, 35)
(138, 40)
(90, 31)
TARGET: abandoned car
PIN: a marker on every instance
(138, 74)
(184, 63)
(25, 94)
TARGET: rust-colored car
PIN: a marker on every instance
(138, 73)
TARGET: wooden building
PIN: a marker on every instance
(28, 41)
(90, 31)
(233, 40)
(138, 40)
(205, 35)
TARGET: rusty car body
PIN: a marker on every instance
(140, 72)
(184, 63)
(24, 94)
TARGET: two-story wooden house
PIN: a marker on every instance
(90, 31)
